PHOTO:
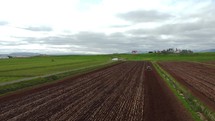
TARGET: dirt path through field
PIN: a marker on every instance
(160, 103)
(124, 92)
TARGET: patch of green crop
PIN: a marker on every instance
(6, 79)
(201, 57)
(53, 78)
(18, 68)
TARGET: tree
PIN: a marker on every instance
(10, 56)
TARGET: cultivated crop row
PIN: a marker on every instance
(107, 94)
(199, 77)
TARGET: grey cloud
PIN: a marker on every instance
(191, 35)
(144, 16)
(183, 34)
(40, 28)
(203, 29)
(186, 27)
(2, 23)
(176, 28)
(120, 26)
(87, 42)
(90, 42)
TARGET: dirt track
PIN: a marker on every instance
(125, 92)
(160, 102)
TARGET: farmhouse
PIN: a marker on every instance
(115, 59)
(134, 52)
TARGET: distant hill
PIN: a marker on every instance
(3, 56)
(20, 54)
(24, 54)
(208, 50)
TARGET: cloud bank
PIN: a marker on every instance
(100, 27)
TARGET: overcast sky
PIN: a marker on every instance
(105, 26)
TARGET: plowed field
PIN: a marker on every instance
(124, 92)
(211, 62)
(199, 78)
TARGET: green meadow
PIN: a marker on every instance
(53, 68)
(18, 68)
(200, 57)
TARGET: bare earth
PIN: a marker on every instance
(199, 78)
(124, 92)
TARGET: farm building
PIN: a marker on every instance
(115, 59)
(134, 52)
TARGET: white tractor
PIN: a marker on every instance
(148, 68)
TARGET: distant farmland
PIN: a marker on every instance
(147, 87)
(125, 92)
(18, 68)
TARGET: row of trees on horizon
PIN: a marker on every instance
(172, 51)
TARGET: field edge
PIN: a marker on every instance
(195, 107)
(27, 85)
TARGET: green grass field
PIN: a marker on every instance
(200, 57)
(71, 65)
(22, 68)
(18, 68)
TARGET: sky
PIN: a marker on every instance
(105, 26)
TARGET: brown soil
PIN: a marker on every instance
(198, 78)
(210, 62)
(125, 92)
(160, 103)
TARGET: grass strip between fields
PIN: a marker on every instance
(10, 88)
(197, 109)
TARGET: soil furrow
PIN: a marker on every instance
(124, 92)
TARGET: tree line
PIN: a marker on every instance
(172, 51)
